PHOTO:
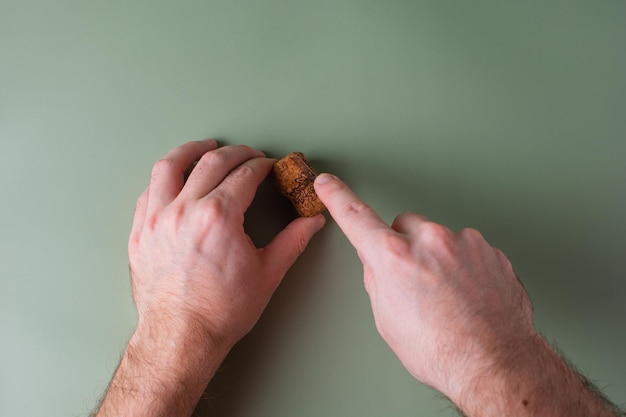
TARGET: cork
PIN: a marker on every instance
(294, 176)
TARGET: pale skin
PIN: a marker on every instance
(448, 304)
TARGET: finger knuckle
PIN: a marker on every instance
(435, 238)
(300, 243)
(407, 221)
(354, 209)
(244, 171)
(434, 233)
(215, 208)
(163, 166)
(410, 216)
(395, 246)
(471, 234)
(407, 215)
(213, 158)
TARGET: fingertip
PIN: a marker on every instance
(323, 185)
(211, 144)
(320, 221)
(324, 178)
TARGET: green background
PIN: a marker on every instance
(506, 116)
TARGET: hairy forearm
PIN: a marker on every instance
(535, 382)
(136, 390)
(161, 379)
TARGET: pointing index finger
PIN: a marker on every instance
(361, 225)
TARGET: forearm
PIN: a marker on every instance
(536, 382)
(166, 381)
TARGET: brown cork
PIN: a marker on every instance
(294, 176)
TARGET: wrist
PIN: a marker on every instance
(177, 347)
(164, 370)
(512, 378)
(531, 380)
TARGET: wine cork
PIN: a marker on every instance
(294, 176)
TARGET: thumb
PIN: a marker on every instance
(289, 244)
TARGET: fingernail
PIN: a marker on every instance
(324, 178)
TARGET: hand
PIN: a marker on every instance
(198, 281)
(194, 270)
(448, 304)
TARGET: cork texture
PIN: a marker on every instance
(294, 176)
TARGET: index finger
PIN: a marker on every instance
(361, 225)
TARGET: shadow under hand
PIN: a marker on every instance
(242, 372)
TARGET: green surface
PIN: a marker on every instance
(504, 116)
